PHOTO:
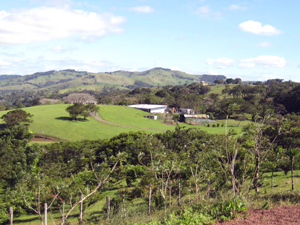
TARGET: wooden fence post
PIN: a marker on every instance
(11, 212)
(63, 214)
(45, 215)
(108, 206)
(124, 207)
(149, 199)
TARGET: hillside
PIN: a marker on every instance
(53, 121)
(66, 80)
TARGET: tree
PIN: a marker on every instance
(259, 139)
(15, 117)
(16, 160)
(229, 81)
(79, 109)
(237, 81)
(218, 81)
(84, 98)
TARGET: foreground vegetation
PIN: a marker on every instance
(132, 170)
(167, 178)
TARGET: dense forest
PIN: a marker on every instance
(186, 176)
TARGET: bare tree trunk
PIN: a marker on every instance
(11, 212)
(232, 170)
(45, 215)
(292, 172)
(81, 210)
(272, 181)
(256, 174)
(108, 206)
(170, 196)
(179, 193)
(63, 214)
(149, 199)
(124, 208)
(100, 184)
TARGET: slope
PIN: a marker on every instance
(76, 80)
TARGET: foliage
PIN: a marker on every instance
(80, 109)
(17, 116)
(229, 209)
(17, 158)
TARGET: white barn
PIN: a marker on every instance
(151, 108)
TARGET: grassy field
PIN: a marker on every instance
(53, 121)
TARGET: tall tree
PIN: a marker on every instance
(79, 109)
(17, 116)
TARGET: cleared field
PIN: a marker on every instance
(53, 121)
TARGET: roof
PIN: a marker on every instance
(147, 106)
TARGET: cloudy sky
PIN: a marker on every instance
(250, 39)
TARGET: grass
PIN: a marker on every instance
(53, 121)
(282, 182)
(282, 192)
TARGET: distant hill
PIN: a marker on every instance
(8, 76)
(66, 80)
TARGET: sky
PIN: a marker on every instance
(247, 39)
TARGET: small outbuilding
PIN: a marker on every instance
(188, 117)
(151, 108)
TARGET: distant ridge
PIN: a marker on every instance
(4, 76)
(71, 80)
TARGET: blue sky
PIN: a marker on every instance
(250, 39)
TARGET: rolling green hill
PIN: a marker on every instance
(81, 80)
(53, 121)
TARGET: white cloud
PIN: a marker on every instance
(59, 3)
(28, 66)
(205, 11)
(237, 7)
(60, 49)
(220, 62)
(264, 60)
(142, 9)
(175, 68)
(264, 44)
(4, 63)
(257, 28)
(48, 23)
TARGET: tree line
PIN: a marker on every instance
(160, 169)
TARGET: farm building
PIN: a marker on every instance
(186, 111)
(194, 119)
(151, 108)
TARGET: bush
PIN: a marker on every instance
(176, 116)
(228, 209)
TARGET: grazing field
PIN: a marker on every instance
(53, 121)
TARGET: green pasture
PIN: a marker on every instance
(217, 89)
(53, 121)
(282, 182)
